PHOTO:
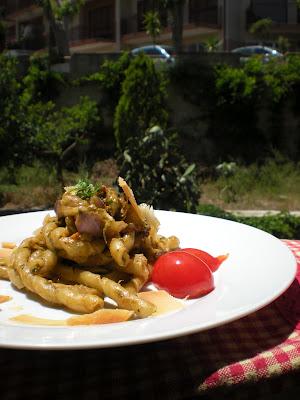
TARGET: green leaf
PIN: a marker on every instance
(189, 170)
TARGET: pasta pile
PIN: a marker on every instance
(100, 244)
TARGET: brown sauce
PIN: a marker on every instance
(31, 320)
(164, 302)
(4, 299)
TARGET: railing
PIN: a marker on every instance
(10, 34)
(83, 32)
(26, 3)
(203, 12)
(12, 6)
(206, 17)
(129, 25)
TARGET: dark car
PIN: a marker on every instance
(157, 52)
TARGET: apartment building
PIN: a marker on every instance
(239, 15)
(114, 25)
(23, 18)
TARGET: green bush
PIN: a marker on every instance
(158, 173)
(110, 78)
(55, 134)
(234, 85)
(254, 106)
(282, 225)
(40, 83)
(214, 211)
(13, 148)
(143, 100)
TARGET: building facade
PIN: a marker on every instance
(114, 25)
(239, 15)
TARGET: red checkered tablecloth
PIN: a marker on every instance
(257, 356)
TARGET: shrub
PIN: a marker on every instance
(282, 77)
(143, 100)
(233, 124)
(282, 225)
(158, 173)
(12, 143)
(110, 78)
(214, 211)
(234, 85)
(254, 106)
(40, 83)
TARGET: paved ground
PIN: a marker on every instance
(259, 213)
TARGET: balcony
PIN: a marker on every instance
(129, 25)
(13, 6)
(84, 32)
(203, 12)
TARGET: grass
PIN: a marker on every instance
(37, 186)
(31, 186)
(274, 185)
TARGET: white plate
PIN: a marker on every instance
(259, 269)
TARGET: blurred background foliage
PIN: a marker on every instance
(242, 133)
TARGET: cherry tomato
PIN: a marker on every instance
(212, 262)
(182, 275)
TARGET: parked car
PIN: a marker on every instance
(159, 53)
(248, 51)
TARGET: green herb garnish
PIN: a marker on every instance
(84, 189)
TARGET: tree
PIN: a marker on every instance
(58, 14)
(176, 10)
(2, 29)
(152, 24)
(2, 36)
(261, 29)
(211, 44)
(55, 134)
(283, 44)
(143, 100)
(11, 141)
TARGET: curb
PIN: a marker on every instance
(260, 213)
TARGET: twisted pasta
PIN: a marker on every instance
(101, 244)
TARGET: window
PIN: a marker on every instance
(259, 50)
(203, 11)
(274, 9)
(152, 51)
(245, 51)
(101, 22)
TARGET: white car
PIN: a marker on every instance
(266, 52)
(157, 52)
